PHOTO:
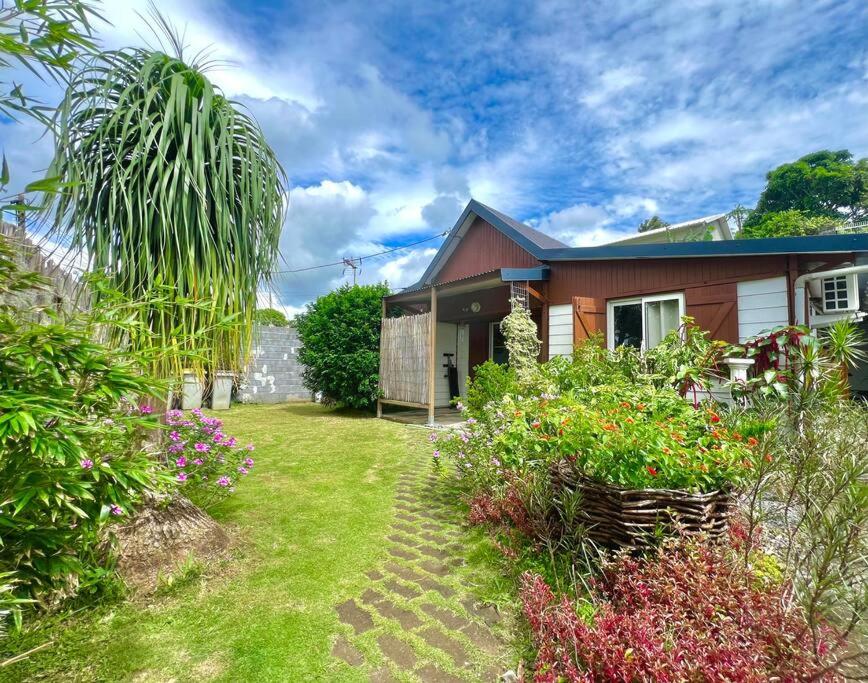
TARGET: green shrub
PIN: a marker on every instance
(71, 429)
(639, 437)
(270, 317)
(790, 223)
(520, 334)
(340, 344)
(491, 382)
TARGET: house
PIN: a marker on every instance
(713, 228)
(437, 330)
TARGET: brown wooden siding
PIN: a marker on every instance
(482, 250)
(616, 279)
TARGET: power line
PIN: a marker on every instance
(343, 262)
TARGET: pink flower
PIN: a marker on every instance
(432, 437)
(202, 447)
(436, 454)
(146, 410)
(176, 448)
(231, 441)
(87, 464)
(223, 481)
(250, 447)
(218, 437)
(198, 461)
(243, 470)
(181, 462)
(174, 436)
(182, 476)
(116, 510)
(248, 462)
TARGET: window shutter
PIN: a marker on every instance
(715, 309)
(589, 316)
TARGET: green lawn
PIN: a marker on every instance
(311, 520)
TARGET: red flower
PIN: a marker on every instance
(651, 470)
(768, 457)
(714, 417)
(751, 441)
(535, 424)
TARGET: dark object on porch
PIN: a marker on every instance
(634, 518)
(452, 374)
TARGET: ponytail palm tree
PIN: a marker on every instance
(174, 194)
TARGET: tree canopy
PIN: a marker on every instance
(822, 184)
(653, 223)
(270, 316)
(340, 344)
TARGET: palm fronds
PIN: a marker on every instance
(173, 186)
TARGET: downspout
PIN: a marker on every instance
(802, 280)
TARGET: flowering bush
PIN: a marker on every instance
(688, 612)
(633, 437)
(204, 461)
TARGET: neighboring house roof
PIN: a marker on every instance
(679, 232)
(545, 248)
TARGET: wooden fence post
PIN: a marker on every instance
(432, 356)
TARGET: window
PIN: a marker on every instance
(643, 322)
(840, 293)
(497, 344)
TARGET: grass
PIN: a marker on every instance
(311, 516)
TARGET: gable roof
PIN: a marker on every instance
(545, 248)
(532, 241)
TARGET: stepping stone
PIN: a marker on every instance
(343, 649)
(487, 613)
(382, 675)
(403, 591)
(431, 551)
(405, 573)
(432, 585)
(374, 575)
(406, 618)
(403, 553)
(483, 638)
(397, 650)
(372, 597)
(401, 539)
(407, 516)
(406, 528)
(431, 674)
(436, 568)
(445, 617)
(350, 613)
(436, 638)
(431, 526)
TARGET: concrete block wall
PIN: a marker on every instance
(274, 374)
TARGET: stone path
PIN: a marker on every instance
(417, 620)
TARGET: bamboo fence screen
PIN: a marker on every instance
(404, 357)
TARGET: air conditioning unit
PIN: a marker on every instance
(839, 293)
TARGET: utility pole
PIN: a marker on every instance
(351, 263)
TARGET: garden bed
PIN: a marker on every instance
(629, 518)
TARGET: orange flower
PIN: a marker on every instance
(768, 457)
(518, 413)
(640, 406)
(610, 427)
(624, 404)
(666, 450)
(752, 441)
(747, 464)
(629, 420)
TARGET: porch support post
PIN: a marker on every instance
(432, 356)
(382, 323)
(544, 331)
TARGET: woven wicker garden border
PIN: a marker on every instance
(631, 518)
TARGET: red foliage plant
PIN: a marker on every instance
(687, 612)
(507, 509)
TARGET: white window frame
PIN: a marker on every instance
(642, 300)
(491, 328)
(852, 281)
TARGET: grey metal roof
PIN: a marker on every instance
(545, 248)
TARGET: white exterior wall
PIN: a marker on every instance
(762, 305)
(451, 338)
(560, 330)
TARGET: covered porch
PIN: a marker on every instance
(433, 338)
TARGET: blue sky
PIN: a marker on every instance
(580, 118)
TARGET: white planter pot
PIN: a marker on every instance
(221, 394)
(191, 396)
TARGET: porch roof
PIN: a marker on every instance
(494, 278)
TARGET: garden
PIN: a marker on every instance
(654, 535)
